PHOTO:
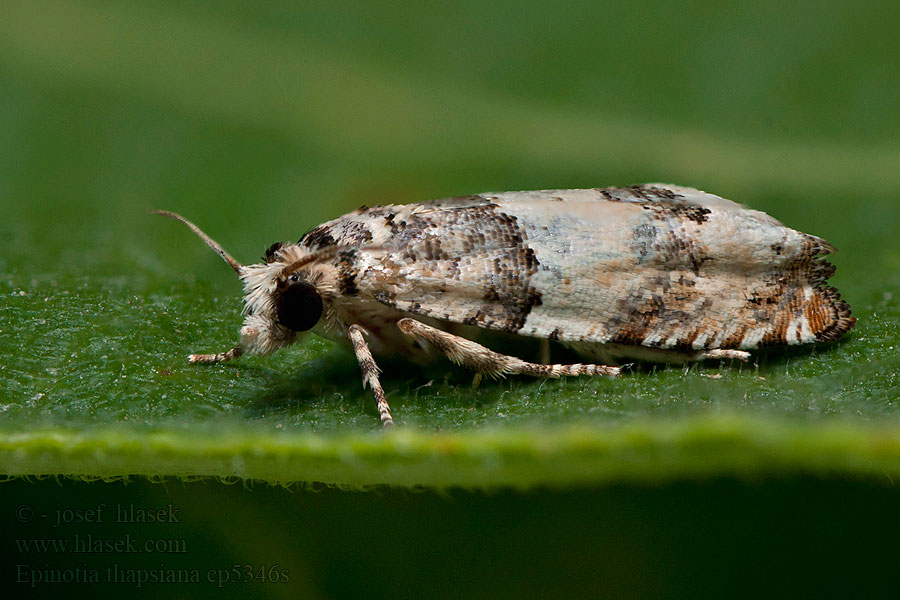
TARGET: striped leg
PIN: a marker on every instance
(723, 354)
(216, 358)
(370, 373)
(487, 362)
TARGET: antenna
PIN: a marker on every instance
(238, 267)
(323, 254)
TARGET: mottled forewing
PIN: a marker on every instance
(656, 266)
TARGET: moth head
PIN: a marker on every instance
(281, 298)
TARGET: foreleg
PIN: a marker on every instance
(216, 358)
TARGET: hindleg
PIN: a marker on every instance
(720, 353)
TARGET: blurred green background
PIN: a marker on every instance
(261, 121)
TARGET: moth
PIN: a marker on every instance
(651, 272)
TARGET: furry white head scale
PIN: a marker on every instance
(264, 286)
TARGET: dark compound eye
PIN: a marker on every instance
(299, 306)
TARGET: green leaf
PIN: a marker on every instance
(258, 127)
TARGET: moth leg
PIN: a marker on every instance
(216, 358)
(544, 356)
(719, 353)
(370, 373)
(487, 362)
